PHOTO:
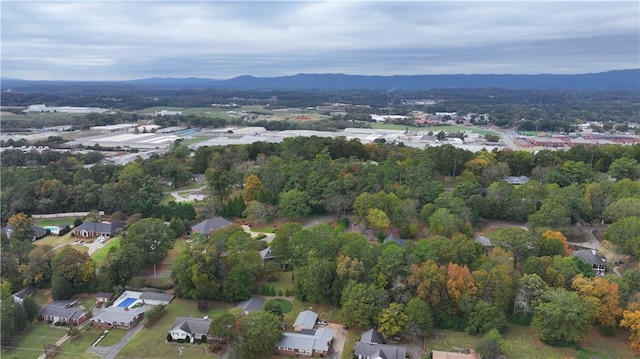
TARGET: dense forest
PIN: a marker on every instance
(429, 199)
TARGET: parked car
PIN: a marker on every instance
(321, 322)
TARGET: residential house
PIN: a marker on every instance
(305, 320)
(39, 232)
(598, 263)
(309, 343)
(96, 229)
(485, 241)
(21, 295)
(391, 238)
(371, 346)
(103, 297)
(251, 305)
(190, 329)
(266, 254)
(64, 311)
(118, 317)
(516, 180)
(210, 225)
(155, 298)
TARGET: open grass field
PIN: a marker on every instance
(30, 346)
(77, 347)
(520, 342)
(55, 240)
(280, 281)
(152, 341)
(99, 255)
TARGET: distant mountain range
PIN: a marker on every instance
(611, 80)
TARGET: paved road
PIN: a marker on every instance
(111, 351)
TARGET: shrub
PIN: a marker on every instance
(280, 293)
(77, 222)
(216, 347)
(153, 314)
(180, 341)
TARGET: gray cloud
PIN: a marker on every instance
(125, 40)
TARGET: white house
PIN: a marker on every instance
(190, 329)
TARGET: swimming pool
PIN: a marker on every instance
(127, 302)
(52, 229)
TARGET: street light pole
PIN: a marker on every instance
(45, 348)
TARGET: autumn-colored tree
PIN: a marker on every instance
(393, 320)
(378, 220)
(37, 271)
(349, 268)
(495, 286)
(252, 185)
(460, 282)
(606, 295)
(554, 242)
(21, 227)
(631, 321)
(428, 280)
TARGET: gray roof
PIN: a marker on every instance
(392, 238)
(118, 315)
(251, 304)
(161, 297)
(40, 232)
(307, 342)
(372, 336)
(100, 227)
(63, 309)
(589, 256)
(266, 253)
(485, 241)
(306, 319)
(209, 225)
(26, 292)
(192, 325)
(384, 351)
(103, 295)
(517, 179)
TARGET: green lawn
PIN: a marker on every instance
(30, 345)
(285, 305)
(353, 335)
(196, 139)
(60, 222)
(55, 240)
(283, 282)
(99, 255)
(112, 337)
(77, 347)
(152, 341)
(520, 342)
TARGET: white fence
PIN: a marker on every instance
(64, 215)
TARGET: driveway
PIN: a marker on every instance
(339, 336)
(111, 351)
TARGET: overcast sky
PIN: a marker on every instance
(116, 40)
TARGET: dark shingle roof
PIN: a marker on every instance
(100, 227)
(589, 256)
(251, 304)
(26, 292)
(372, 336)
(209, 225)
(63, 309)
(380, 351)
(156, 296)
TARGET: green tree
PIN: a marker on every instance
(393, 320)
(553, 213)
(361, 303)
(293, 204)
(562, 317)
(31, 309)
(484, 317)
(152, 236)
(378, 220)
(37, 271)
(624, 167)
(75, 267)
(14, 321)
(239, 284)
(226, 327)
(624, 207)
(518, 241)
(625, 234)
(260, 331)
(315, 282)
(21, 228)
(420, 319)
(273, 306)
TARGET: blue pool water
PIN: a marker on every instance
(127, 302)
